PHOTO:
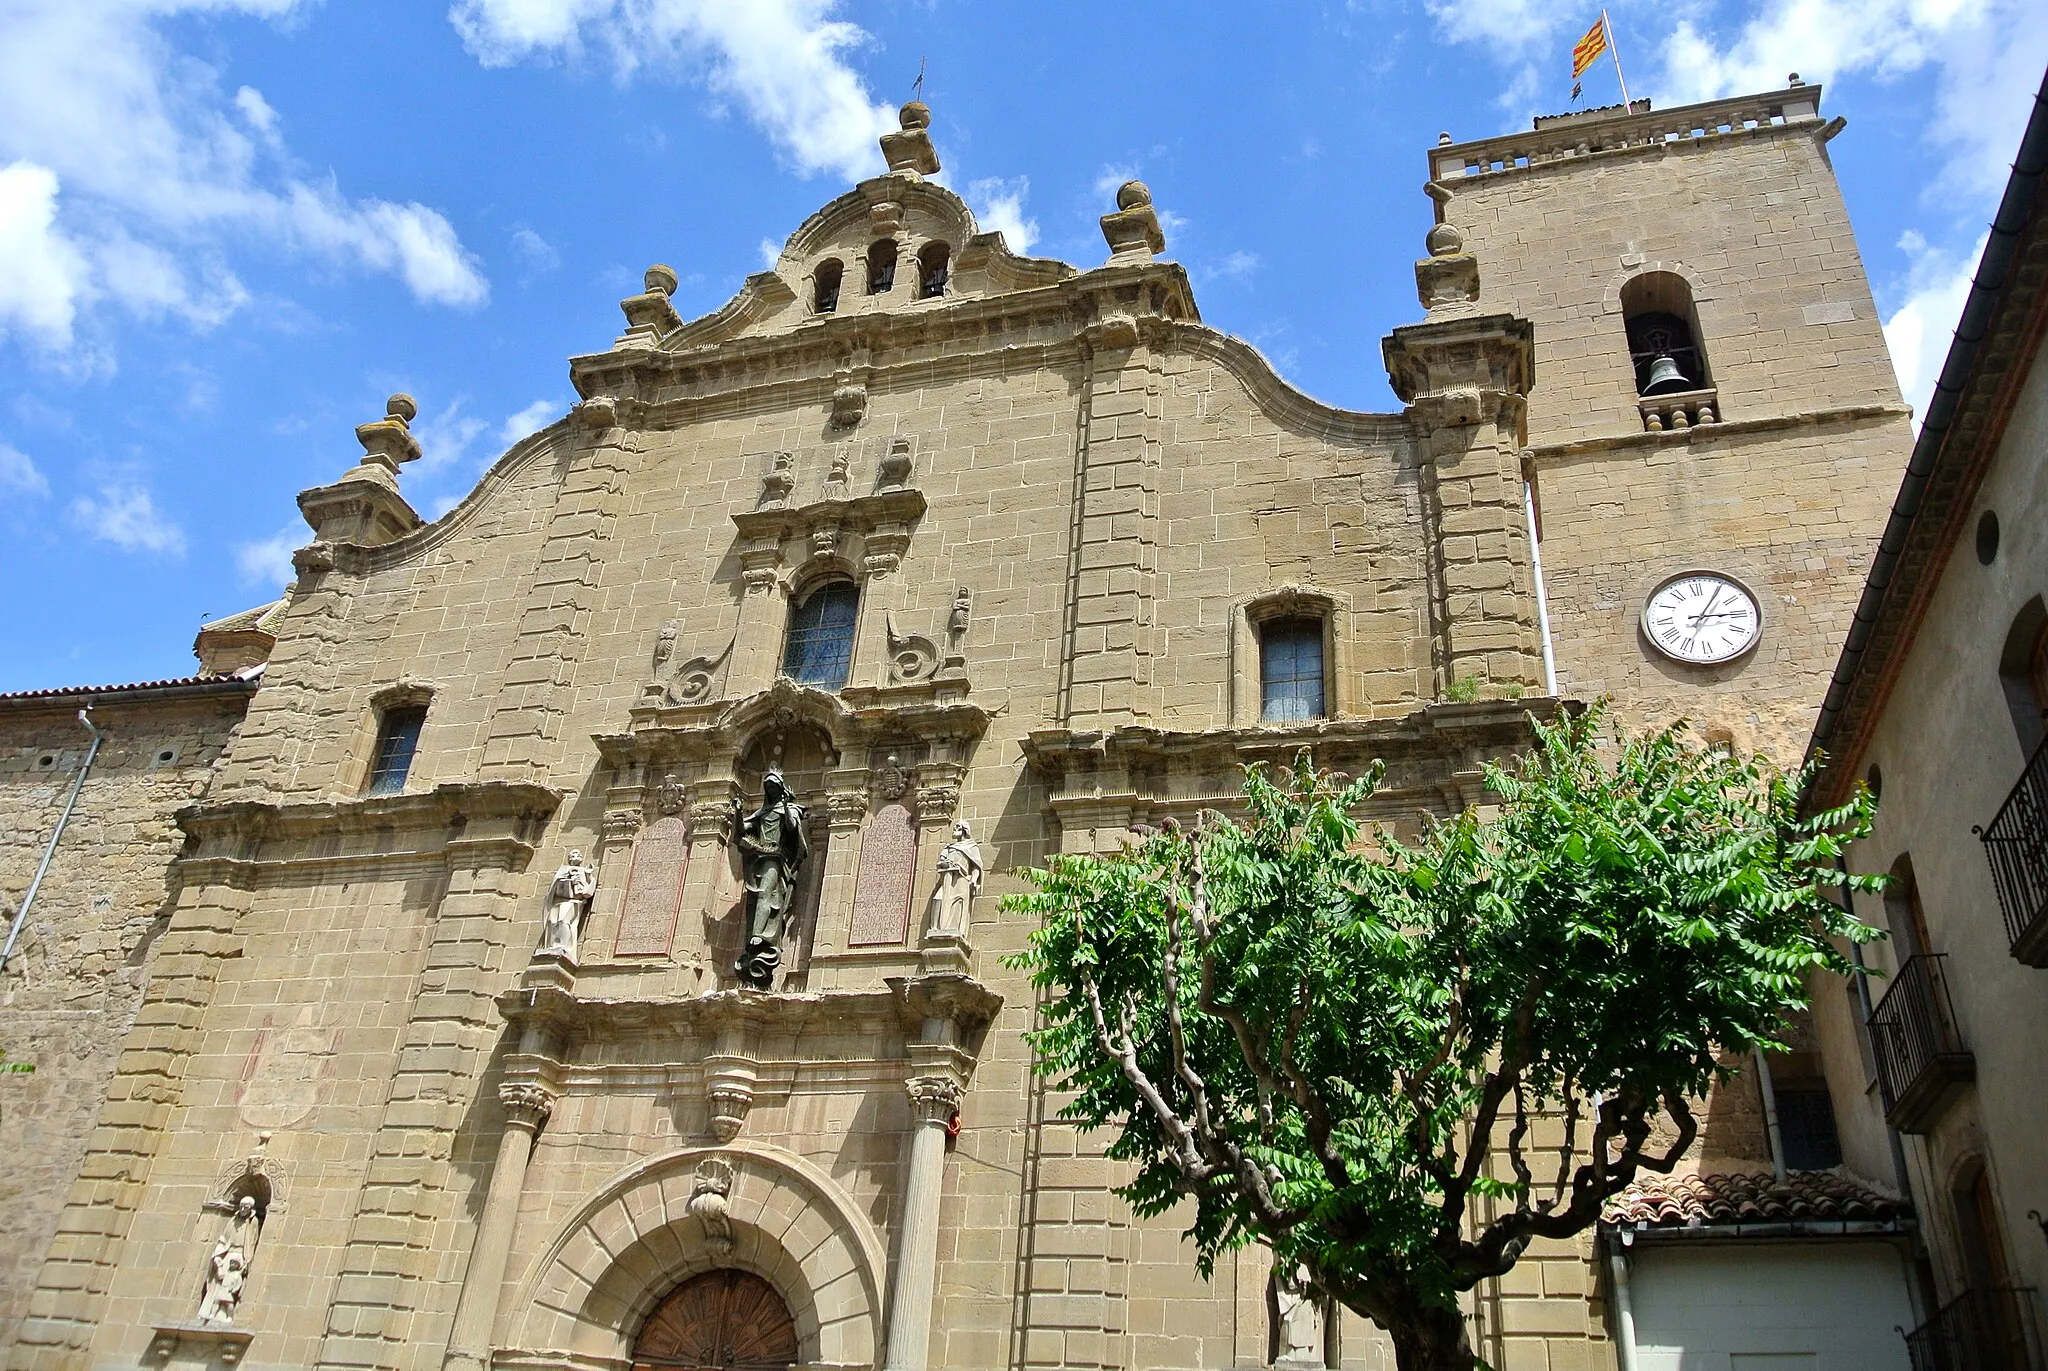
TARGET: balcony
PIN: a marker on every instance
(1980, 1330)
(2016, 842)
(1679, 409)
(1921, 1061)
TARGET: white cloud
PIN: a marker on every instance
(126, 516)
(532, 419)
(42, 273)
(999, 204)
(269, 562)
(163, 173)
(1238, 266)
(1987, 57)
(1513, 25)
(538, 254)
(19, 473)
(771, 253)
(781, 61)
(1111, 178)
(1921, 330)
(445, 437)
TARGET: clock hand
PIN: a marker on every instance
(1712, 600)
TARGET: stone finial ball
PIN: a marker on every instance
(1443, 140)
(1133, 195)
(1444, 240)
(402, 406)
(660, 280)
(915, 115)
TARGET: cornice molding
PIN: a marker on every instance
(472, 822)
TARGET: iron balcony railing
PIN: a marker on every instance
(2016, 842)
(1979, 1330)
(1921, 1061)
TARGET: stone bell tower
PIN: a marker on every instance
(1714, 413)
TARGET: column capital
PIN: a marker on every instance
(933, 1099)
(527, 1105)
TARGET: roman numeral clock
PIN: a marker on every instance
(1702, 619)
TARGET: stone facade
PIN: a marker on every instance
(1072, 517)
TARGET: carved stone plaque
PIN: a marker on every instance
(286, 1072)
(654, 890)
(888, 867)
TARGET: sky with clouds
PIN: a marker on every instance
(230, 228)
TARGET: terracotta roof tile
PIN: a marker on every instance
(171, 683)
(1749, 1198)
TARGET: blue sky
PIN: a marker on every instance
(230, 228)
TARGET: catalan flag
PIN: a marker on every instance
(1589, 48)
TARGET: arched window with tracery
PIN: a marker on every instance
(1663, 334)
(723, 1320)
(820, 647)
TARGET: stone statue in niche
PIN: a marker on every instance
(569, 896)
(773, 847)
(1298, 1312)
(960, 873)
(962, 615)
(227, 1270)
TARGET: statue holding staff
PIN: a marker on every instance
(773, 847)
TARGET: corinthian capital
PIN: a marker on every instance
(933, 1099)
(526, 1105)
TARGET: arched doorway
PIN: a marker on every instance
(718, 1321)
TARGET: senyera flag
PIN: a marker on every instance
(1589, 48)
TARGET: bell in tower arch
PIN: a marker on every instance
(1665, 376)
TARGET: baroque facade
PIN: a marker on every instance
(434, 1035)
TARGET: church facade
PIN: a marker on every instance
(567, 934)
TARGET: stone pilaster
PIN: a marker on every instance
(1113, 559)
(532, 703)
(1464, 377)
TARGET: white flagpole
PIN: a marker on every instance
(1606, 24)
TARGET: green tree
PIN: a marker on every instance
(1335, 1044)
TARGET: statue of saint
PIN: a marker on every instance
(569, 896)
(227, 1270)
(960, 873)
(773, 846)
(1300, 1323)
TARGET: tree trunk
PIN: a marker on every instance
(1432, 1340)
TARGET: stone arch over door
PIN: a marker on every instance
(627, 1248)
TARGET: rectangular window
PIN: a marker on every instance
(1291, 670)
(1806, 1121)
(398, 737)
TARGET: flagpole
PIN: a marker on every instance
(1608, 24)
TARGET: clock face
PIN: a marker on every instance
(1701, 618)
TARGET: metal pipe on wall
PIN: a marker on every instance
(1542, 600)
(21, 914)
(1770, 1093)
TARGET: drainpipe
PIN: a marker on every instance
(21, 914)
(1624, 1307)
(1763, 1080)
(1542, 600)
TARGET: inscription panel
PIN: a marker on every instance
(888, 867)
(654, 890)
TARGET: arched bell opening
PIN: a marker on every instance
(720, 1320)
(1663, 334)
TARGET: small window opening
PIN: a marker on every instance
(2023, 674)
(882, 266)
(825, 285)
(47, 759)
(820, 648)
(398, 738)
(1987, 537)
(932, 260)
(1291, 670)
(1806, 1124)
(1663, 340)
(167, 756)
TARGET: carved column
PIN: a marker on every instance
(934, 1099)
(527, 1107)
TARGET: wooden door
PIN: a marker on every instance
(719, 1321)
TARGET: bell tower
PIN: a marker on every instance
(1715, 430)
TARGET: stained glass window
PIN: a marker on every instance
(821, 636)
